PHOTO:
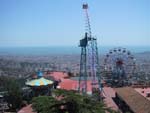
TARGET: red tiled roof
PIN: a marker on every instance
(66, 83)
(143, 91)
(109, 93)
(69, 84)
(26, 109)
(58, 75)
(134, 100)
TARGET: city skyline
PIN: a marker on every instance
(62, 23)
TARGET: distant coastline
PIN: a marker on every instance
(40, 51)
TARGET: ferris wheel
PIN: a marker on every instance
(120, 64)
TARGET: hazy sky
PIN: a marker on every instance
(62, 22)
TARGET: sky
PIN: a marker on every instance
(62, 22)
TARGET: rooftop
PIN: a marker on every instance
(136, 102)
(109, 93)
(143, 91)
(26, 109)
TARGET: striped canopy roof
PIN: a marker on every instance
(39, 82)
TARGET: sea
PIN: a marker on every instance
(64, 50)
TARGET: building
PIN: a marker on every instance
(129, 100)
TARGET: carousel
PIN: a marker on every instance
(40, 85)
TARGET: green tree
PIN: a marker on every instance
(45, 104)
(64, 101)
(13, 93)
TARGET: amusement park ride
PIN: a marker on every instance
(119, 67)
(89, 62)
(119, 64)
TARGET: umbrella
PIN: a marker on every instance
(39, 82)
